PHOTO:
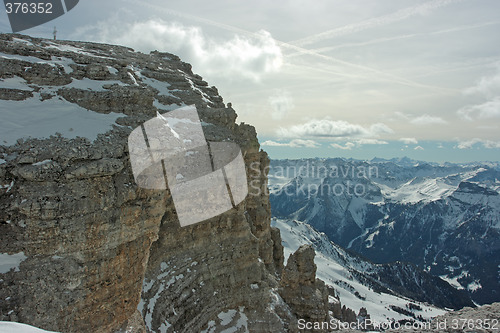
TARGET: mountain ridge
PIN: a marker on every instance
(425, 214)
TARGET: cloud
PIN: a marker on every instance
(402, 14)
(380, 128)
(358, 143)
(419, 148)
(241, 56)
(281, 103)
(487, 110)
(486, 86)
(409, 141)
(489, 88)
(361, 142)
(400, 37)
(427, 120)
(297, 143)
(469, 144)
(332, 129)
(348, 146)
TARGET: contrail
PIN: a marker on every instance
(388, 39)
(374, 22)
(195, 18)
(492, 62)
(364, 69)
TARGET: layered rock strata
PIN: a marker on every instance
(84, 247)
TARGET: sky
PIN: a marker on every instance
(328, 78)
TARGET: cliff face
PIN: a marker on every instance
(82, 248)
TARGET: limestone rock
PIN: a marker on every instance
(306, 295)
(95, 248)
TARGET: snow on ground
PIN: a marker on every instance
(12, 327)
(15, 82)
(161, 86)
(474, 286)
(11, 261)
(94, 85)
(333, 272)
(230, 321)
(41, 119)
(73, 49)
(452, 281)
(31, 59)
(420, 189)
(55, 61)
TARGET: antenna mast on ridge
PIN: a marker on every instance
(55, 33)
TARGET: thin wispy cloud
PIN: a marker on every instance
(424, 119)
(400, 37)
(399, 15)
(364, 72)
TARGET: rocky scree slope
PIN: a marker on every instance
(82, 248)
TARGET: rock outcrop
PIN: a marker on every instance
(82, 248)
(299, 287)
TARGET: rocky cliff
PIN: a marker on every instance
(82, 248)
(301, 289)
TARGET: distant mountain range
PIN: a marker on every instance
(444, 218)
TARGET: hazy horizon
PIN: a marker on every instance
(433, 155)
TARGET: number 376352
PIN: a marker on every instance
(28, 8)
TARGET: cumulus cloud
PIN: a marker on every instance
(487, 110)
(486, 86)
(427, 120)
(409, 141)
(327, 128)
(489, 88)
(297, 143)
(281, 103)
(237, 57)
(469, 144)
